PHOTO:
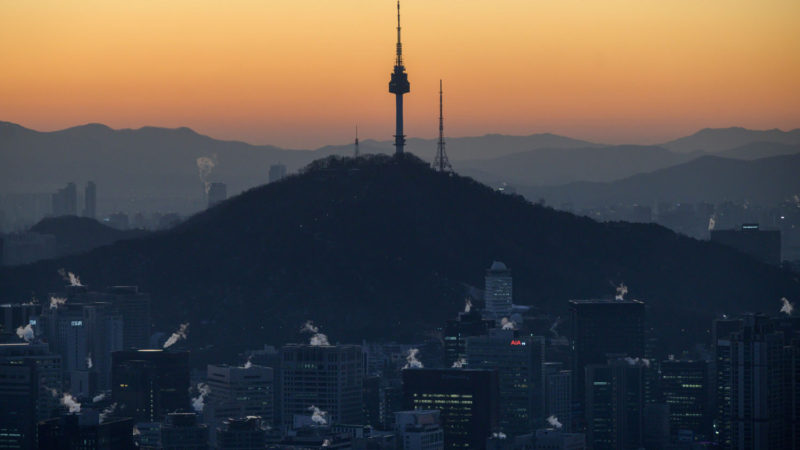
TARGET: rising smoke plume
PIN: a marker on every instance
(318, 416)
(199, 402)
(411, 359)
(70, 277)
(554, 327)
(621, 291)
(89, 363)
(104, 414)
(459, 364)
(553, 421)
(712, 223)
(205, 165)
(25, 332)
(317, 338)
(56, 301)
(508, 324)
(99, 397)
(467, 305)
(499, 435)
(786, 307)
(69, 401)
(637, 361)
(177, 336)
(249, 363)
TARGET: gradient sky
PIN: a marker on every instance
(301, 74)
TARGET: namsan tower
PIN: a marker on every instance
(399, 86)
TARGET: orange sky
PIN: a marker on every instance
(302, 73)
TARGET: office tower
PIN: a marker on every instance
(276, 172)
(656, 425)
(456, 332)
(685, 387)
(498, 292)
(329, 377)
(241, 434)
(105, 335)
(65, 201)
(615, 404)
(148, 384)
(15, 315)
(762, 389)
(558, 439)
(270, 357)
(467, 399)
(240, 392)
(90, 200)
(398, 86)
(600, 328)
(30, 388)
(764, 245)
(418, 430)
(558, 394)
(722, 330)
(84, 431)
(217, 192)
(182, 431)
(134, 307)
(519, 362)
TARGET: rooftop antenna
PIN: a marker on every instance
(355, 149)
(441, 163)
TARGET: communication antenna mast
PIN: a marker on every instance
(355, 149)
(441, 163)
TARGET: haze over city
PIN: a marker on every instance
(364, 225)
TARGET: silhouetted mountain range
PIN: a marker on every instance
(80, 234)
(384, 247)
(708, 179)
(158, 162)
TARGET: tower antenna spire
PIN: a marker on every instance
(398, 85)
(441, 163)
(355, 149)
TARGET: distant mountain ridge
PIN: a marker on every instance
(713, 140)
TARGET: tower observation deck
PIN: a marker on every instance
(398, 86)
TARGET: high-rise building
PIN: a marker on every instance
(65, 201)
(519, 362)
(239, 392)
(763, 383)
(149, 384)
(601, 328)
(558, 439)
(217, 192)
(615, 404)
(134, 307)
(498, 292)
(241, 434)
(328, 377)
(722, 330)
(30, 388)
(456, 332)
(467, 399)
(84, 431)
(16, 315)
(182, 431)
(685, 387)
(558, 394)
(90, 200)
(764, 245)
(418, 430)
(276, 172)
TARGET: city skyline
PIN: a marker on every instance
(609, 72)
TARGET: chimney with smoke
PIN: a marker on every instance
(317, 338)
(786, 307)
(622, 290)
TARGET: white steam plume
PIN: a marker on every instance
(326, 443)
(554, 327)
(467, 305)
(205, 165)
(459, 364)
(89, 363)
(25, 332)
(56, 301)
(70, 277)
(553, 421)
(199, 402)
(786, 308)
(637, 361)
(411, 359)
(711, 223)
(249, 363)
(317, 338)
(621, 291)
(499, 435)
(136, 431)
(318, 416)
(177, 336)
(98, 397)
(69, 401)
(107, 412)
(508, 324)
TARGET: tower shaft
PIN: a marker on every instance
(398, 85)
(441, 162)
